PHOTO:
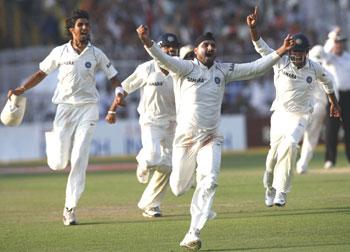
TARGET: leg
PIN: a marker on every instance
(79, 162)
(345, 106)
(184, 165)
(155, 191)
(209, 161)
(332, 128)
(150, 154)
(311, 137)
(59, 140)
(287, 154)
(271, 160)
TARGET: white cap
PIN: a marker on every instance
(13, 112)
(185, 50)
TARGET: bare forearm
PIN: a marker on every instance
(146, 41)
(115, 82)
(254, 34)
(33, 80)
(332, 99)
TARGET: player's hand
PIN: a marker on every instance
(288, 44)
(111, 118)
(119, 100)
(17, 91)
(143, 33)
(335, 110)
(252, 19)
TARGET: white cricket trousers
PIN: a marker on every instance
(203, 157)
(286, 131)
(312, 135)
(156, 155)
(70, 140)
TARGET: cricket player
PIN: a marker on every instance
(295, 77)
(77, 99)
(317, 118)
(199, 86)
(157, 122)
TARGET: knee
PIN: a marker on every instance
(56, 165)
(177, 190)
(152, 158)
(209, 184)
(166, 169)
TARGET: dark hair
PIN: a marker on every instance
(70, 21)
(201, 38)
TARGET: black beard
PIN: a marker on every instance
(85, 40)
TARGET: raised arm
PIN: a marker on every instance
(259, 44)
(257, 68)
(172, 64)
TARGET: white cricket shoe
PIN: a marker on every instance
(192, 240)
(69, 217)
(152, 212)
(142, 174)
(328, 165)
(280, 199)
(269, 196)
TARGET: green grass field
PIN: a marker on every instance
(316, 218)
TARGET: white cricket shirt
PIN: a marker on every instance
(199, 91)
(76, 73)
(295, 87)
(157, 101)
(339, 67)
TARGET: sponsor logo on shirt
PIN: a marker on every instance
(157, 83)
(67, 63)
(309, 79)
(88, 64)
(232, 67)
(290, 75)
(199, 80)
(217, 80)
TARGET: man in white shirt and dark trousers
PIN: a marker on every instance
(199, 87)
(294, 78)
(77, 100)
(157, 122)
(337, 62)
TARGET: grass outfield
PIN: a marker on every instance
(316, 218)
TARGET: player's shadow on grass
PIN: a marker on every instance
(296, 247)
(284, 211)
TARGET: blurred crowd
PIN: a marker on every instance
(29, 23)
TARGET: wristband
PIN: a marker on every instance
(111, 112)
(119, 90)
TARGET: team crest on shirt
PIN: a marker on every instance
(217, 80)
(88, 64)
(309, 79)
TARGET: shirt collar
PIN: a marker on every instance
(197, 62)
(71, 49)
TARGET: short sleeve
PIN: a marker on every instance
(137, 79)
(106, 65)
(50, 63)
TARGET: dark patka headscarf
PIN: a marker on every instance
(203, 37)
